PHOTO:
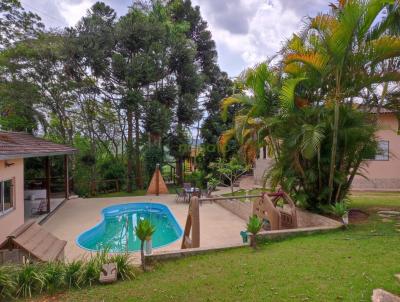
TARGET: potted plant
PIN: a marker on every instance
(144, 230)
(254, 226)
(340, 209)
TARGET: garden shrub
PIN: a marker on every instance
(30, 279)
(7, 283)
(54, 274)
(72, 273)
(23, 281)
(126, 270)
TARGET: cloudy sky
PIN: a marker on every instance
(246, 31)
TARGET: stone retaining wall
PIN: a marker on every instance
(305, 219)
(239, 208)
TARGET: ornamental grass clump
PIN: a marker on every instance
(24, 281)
(30, 279)
(7, 283)
(126, 270)
(90, 271)
(72, 274)
(54, 274)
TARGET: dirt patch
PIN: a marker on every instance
(357, 216)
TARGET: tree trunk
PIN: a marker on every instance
(253, 241)
(179, 171)
(334, 148)
(138, 166)
(129, 150)
(142, 255)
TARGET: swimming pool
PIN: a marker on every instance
(117, 230)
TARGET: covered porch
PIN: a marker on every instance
(43, 195)
(44, 169)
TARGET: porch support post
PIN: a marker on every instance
(48, 176)
(66, 176)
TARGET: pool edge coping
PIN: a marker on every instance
(129, 252)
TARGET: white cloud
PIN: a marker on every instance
(73, 12)
(269, 24)
(246, 31)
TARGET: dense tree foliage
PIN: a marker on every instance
(123, 90)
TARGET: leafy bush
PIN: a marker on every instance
(197, 178)
(7, 283)
(339, 209)
(72, 273)
(54, 274)
(30, 279)
(126, 270)
(90, 271)
(303, 165)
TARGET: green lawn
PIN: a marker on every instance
(337, 266)
(374, 200)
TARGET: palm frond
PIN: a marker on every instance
(234, 99)
(312, 138)
(295, 44)
(323, 23)
(225, 138)
(366, 81)
(371, 11)
(317, 61)
(383, 48)
(287, 95)
(294, 69)
(340, 40)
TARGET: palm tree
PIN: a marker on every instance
(144, 230)
(257, 97)
(341, 51)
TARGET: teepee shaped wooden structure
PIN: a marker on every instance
(157, 185)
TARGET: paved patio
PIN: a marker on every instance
(218, 226)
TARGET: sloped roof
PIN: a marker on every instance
(35, 240)
(22, 145)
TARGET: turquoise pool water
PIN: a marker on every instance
(117, 230)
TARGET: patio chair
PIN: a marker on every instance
(40, 208)
(180, 195)
(38, 201)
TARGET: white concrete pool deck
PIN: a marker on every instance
(217, 225)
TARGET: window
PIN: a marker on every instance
(383, 151)
(6, 196)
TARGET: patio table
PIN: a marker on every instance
(191, 191)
